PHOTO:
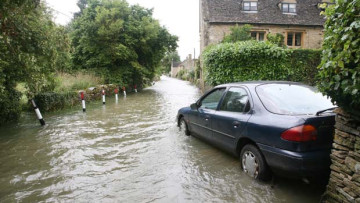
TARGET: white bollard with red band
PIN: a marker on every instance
(38, 114)
(83, 101)
(135, 88)
(124, 90)
(116, 94)
(103, 96)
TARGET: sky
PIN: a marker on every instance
(180, 17)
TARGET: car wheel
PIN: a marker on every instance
(183, 127)
(253, 163)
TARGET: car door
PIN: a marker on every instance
(230, 120)
(206, 109)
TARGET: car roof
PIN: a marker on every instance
(257, 83)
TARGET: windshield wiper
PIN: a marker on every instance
(322, 111)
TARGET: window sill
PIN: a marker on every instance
(294, 14)
(249, 11)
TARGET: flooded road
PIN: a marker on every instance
(130, 151)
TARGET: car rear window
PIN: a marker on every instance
(292, 99)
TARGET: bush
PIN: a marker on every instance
(340, 66)
(191, 76)
(10, 106)
(254, 60)
(304, 65)
(277, 39)
(182, 74)
(248, 60)
(238, 34)
(52, 101)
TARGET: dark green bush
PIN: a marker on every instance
(303, 65)
(52, 101)
(252, 60)
(10, 106)
(243, 61)
(340, 66)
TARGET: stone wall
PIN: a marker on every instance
(344, 183)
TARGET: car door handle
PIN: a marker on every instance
(236, 124)
(207, 118)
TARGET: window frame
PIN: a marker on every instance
(293, 41)
(199, 103)
(250, 7)
(288, 8)
(257, 38)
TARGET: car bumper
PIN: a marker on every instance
(297, 164)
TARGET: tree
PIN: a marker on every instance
(122, 42)
(340, 66)
(169, 58)
(27, 52)
(238, 34)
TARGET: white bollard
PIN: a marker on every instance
(38, 114)
(83, 101)
(124, 90)
(116, 95)
(103, 96)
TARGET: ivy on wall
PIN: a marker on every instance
(340, 66)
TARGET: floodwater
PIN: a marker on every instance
(129, 151)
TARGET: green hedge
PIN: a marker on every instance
(10, 106)
(51, 101)
(304, 65)
(252, 60)
(340, 67)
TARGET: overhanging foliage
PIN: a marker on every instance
(340, 66)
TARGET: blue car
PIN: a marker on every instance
(284, 128)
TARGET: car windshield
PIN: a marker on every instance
(292, 99)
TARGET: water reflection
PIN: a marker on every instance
(129, 151)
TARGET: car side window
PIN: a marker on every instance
(212, 100)
(236, 100)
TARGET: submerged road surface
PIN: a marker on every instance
(130, 151)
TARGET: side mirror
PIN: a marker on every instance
(194, 106)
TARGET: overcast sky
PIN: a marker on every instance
(180, 17)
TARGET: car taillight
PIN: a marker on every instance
(303, 133)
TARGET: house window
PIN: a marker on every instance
(250, 6)
(259, 36)
(288, 8)
(294, 39)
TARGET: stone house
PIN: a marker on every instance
(299, 21)
(188, 64)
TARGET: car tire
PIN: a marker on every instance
(183, 128)
(253, 163)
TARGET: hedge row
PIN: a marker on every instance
(51, 101)
(252, 60)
